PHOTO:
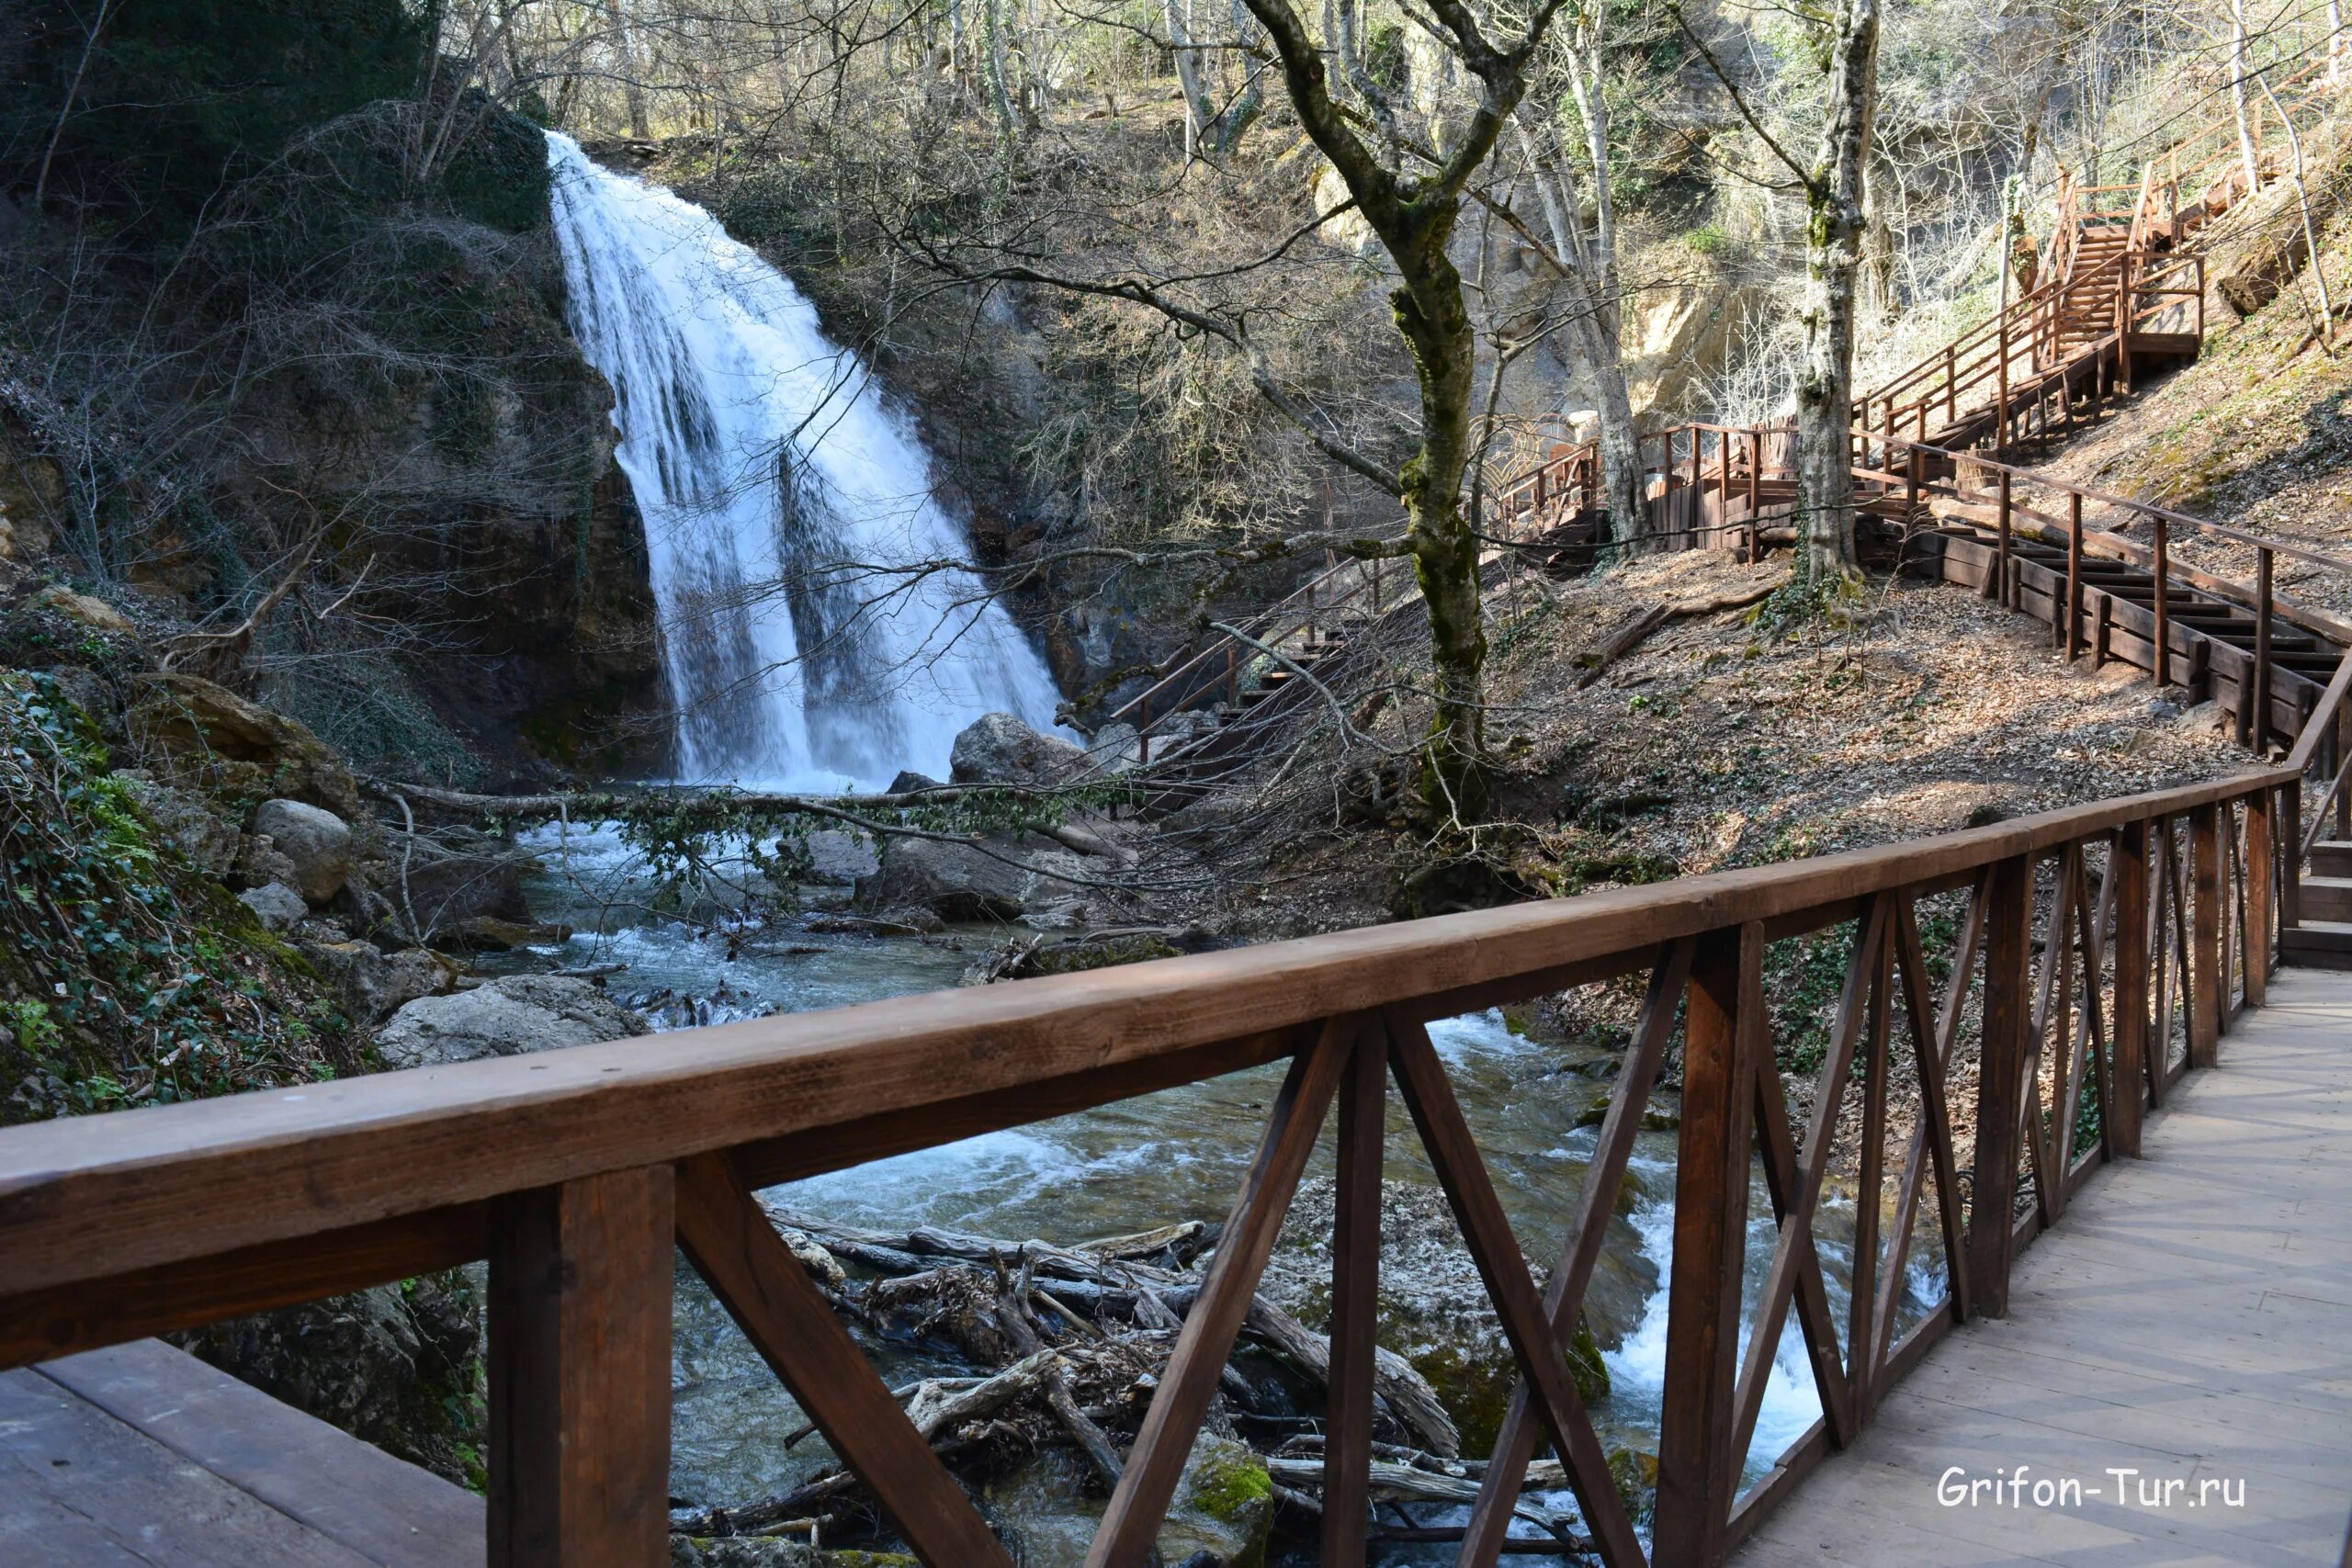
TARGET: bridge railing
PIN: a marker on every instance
(2081, 960)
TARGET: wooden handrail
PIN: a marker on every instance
(568, 1168)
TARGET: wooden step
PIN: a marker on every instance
(2332, 857)
(2327, 898)
(2317, 944)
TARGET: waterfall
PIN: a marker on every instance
(817, 627)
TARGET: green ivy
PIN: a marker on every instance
(126, 978)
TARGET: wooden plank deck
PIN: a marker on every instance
(2191, 1318)
(141, 1457)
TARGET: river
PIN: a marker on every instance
(1173, 1156)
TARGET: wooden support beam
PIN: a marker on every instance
(1724, 1030)
(2262, 650)
(2132, 960)
(1355, 1303)
(2000, 1082)
(580, 1276)
(2205, 937)
(2258, 936)
(733, 1246)
(2074, 627)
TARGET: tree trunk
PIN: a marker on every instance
(1000, 89)
(1591, 260)
(1436, 323)
(2241, 104)
(632, 80)
(1833, 262)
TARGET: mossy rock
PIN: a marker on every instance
(1474, 1382)
(1635, 1473)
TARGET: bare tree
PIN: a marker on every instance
(1834, 232)
(1587, 258)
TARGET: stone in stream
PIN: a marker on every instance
(996, 879)
(315, 843)
(506, 1017)
(1221, 1516)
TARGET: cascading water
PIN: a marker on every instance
(818, 631)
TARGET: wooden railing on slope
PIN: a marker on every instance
(574, 1171)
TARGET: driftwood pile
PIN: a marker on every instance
(1068, 1345)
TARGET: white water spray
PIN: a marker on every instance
(815, 629)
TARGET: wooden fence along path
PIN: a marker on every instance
(2083, 960)
(2090, 958)
(2194, 1328)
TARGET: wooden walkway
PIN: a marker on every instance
(2191, 1318)
(141, 1457)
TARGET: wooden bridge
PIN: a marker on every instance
(2097, 961)
(2089, 1000)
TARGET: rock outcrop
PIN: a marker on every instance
(200, 733)
(506, 1017)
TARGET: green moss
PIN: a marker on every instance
(1228, 1483)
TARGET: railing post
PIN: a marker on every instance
(2261, 882)
(2262, 566)
(579, 1285)
(1999, 587)
(2129, 1074)
(2163, 657)
(2205, 936)
(2001, 378)
(1951, 385)
(2000, 1082)
(2074, 573)
(2291, 858)
(1698, 1474)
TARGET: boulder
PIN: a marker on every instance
(371, 984)
(911, 782)
(201, 732)
(209, 840)
(314, 840)
(395, 1365)
(506, 1017)
(837, 859)
(1114, 749)
(993, 880)
(276, 904)
(999, 748)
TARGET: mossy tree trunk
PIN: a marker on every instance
(1833, 233)
(1414, 215)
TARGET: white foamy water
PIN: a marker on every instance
(818, 631)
